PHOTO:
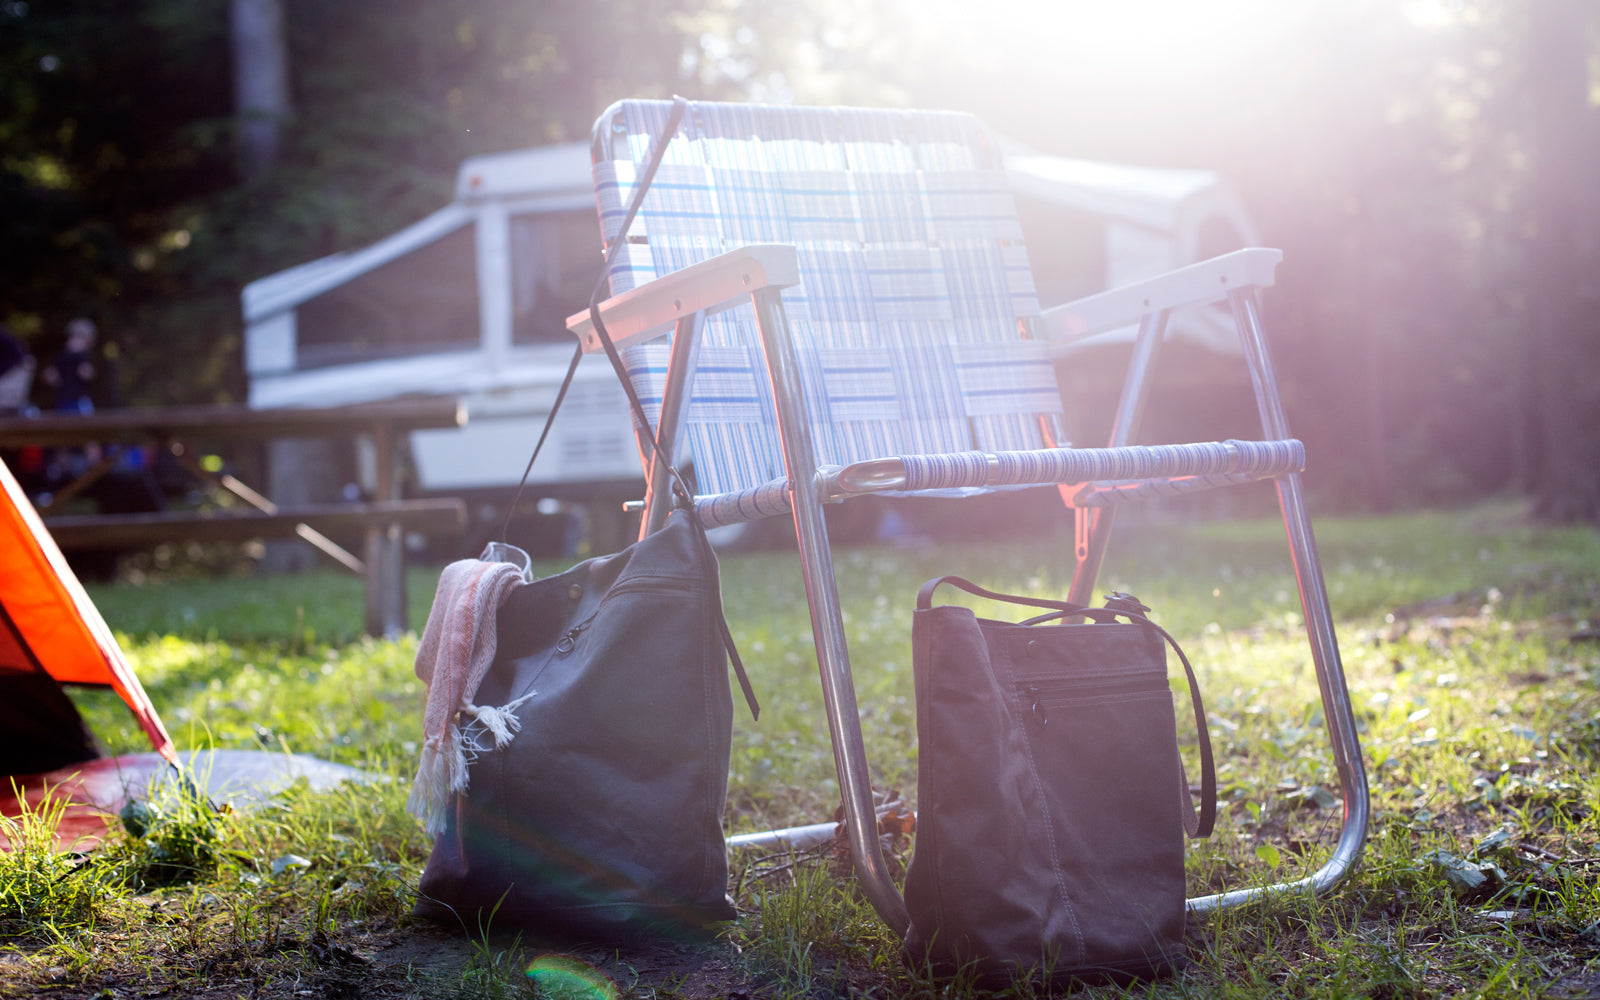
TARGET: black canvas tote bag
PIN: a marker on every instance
(592, 803)
(601, 816)
(1051, 801)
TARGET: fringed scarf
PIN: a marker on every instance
(457, 646)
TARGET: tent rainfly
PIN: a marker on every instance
(51, 634)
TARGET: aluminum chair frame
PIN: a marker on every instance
(678, 302)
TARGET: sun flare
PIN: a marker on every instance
(1160, 38)
(1145, 75)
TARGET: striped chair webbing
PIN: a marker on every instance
(1111, 475)
(1257, 459)
(912, 314)
(1110, 494)
(769, 499)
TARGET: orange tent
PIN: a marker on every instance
(51, 634)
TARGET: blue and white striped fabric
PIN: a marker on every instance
(1251, 459)
(913, 318)
(915, 306)
(1120, 474)
(770, 499)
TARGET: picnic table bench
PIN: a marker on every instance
(175, 430)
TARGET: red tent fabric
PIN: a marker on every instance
(52, 634)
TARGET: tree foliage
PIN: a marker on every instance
(120, 194)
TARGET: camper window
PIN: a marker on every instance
(421, 302)
(555, 261)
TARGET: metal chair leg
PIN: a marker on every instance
(844, 721)
(1336, 706)
(827, 620)
(1093, 537)
(1336, 710)
(661, 453)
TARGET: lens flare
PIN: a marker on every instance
(562, 977)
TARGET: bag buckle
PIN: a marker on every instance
(1125, 604)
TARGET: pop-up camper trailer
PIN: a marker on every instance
(470, 302)
(1090, 226)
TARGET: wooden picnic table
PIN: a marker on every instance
(176, 430)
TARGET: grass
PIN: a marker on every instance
(1463, 635)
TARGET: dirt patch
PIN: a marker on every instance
(423, 956)
(388, 960)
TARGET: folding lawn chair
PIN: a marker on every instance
(851, 311)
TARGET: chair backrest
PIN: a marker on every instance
(914, 319)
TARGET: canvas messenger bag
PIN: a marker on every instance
(1051, 801)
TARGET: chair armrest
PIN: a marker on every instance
(711, 285)
(1195, 284)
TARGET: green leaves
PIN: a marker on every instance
(1467, 879)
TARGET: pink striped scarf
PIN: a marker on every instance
(455, 651)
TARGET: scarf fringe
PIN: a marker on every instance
(502, 722)
(442, 769)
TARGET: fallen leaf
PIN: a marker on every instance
(1466, 878)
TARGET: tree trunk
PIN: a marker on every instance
(260, 82)
(1565, 260)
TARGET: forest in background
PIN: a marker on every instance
(1431, 169)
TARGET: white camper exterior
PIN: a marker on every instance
(470, 301)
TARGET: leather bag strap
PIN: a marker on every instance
(925, 596)
(708, 555)
(1197, 821)
(680, 490)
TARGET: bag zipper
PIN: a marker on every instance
(569, 639)
(1040, 695)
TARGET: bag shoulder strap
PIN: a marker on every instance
(707, 554)
(1198, 821)
(549, 421)
(925, 596)
(685, 500)
(679, 105)
(713, 586)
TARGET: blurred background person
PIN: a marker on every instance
(74, 373)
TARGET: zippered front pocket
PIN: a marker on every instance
(637, 585)
(1040, 696)
(1062, 666)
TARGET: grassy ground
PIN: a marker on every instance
(1469, 640)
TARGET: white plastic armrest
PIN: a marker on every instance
(722, 281)
(1195, 284)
